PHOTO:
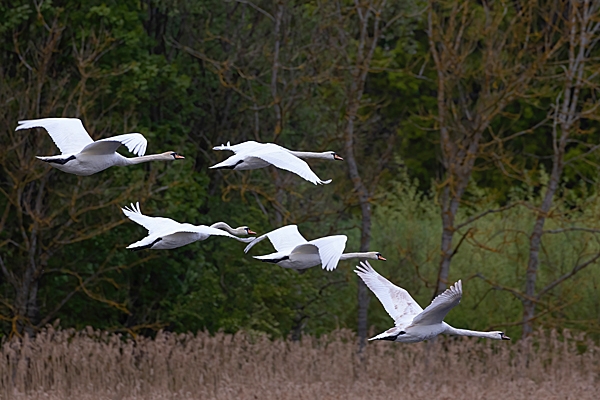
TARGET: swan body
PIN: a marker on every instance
(412, 323)
(83, 156)
(254, 155)
(295, 252)
(165, 233)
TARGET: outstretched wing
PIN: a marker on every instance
(440, 306)
(135, 143)
(283, 239)
(397, 302)
(152, 224)
(283, 159)
(68, 134)
(330, 250)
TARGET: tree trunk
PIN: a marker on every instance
(529, 303)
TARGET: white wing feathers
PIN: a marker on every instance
(70, 137)
(330, 250)
(68, 134)
(440, 306)
(275, 155)
(152, 224)
(397, 302)
(283, 239)
(158, 226)
(135, 143)
(284, 160)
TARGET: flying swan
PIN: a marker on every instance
(82, 156)
(413, 324)
(164, 233)
(254, 155)
(295, 252)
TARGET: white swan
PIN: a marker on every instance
(413, 324)
(164, 233)
(295, 252)
(254, 155)
(82, 156)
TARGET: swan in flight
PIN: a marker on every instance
(254, 155)
(295, 252)
(413, 324)
(82, 156)
(164, 233)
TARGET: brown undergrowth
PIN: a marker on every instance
(60, 364)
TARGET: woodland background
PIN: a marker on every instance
(469, 131)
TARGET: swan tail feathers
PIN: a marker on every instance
(223, 147)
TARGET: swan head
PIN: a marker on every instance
(171, 155)
(335, 156)
(374, 255)
(501, 335)
(243, 230)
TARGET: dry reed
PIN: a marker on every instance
(96, 365)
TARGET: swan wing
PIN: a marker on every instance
(397, 301)
(68, 134)
(152, 224)
(330, 250)
(135, 143)
(283, 159)
(440, 306)
(283, 239)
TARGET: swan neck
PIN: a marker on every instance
(143, 159)
(465, 332)
(348, 256)
(223, 226)
(310, 154)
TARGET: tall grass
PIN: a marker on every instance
(98, 365)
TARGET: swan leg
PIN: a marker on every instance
(147, 246)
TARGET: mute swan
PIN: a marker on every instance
(254, 155)
(295, 252)
(413, 324)
(164, 233)
(82, 156)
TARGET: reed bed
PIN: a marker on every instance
(61, 364)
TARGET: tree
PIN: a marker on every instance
(575, 70)
(485, 57)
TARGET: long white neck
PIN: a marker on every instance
(309, 154)
(234, 232)
(465, 332)
(143, 159)
(224, 226)
(348, 256)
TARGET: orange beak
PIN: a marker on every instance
(251, 232)
(336, 157)
(179, 157)
(381, 258)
